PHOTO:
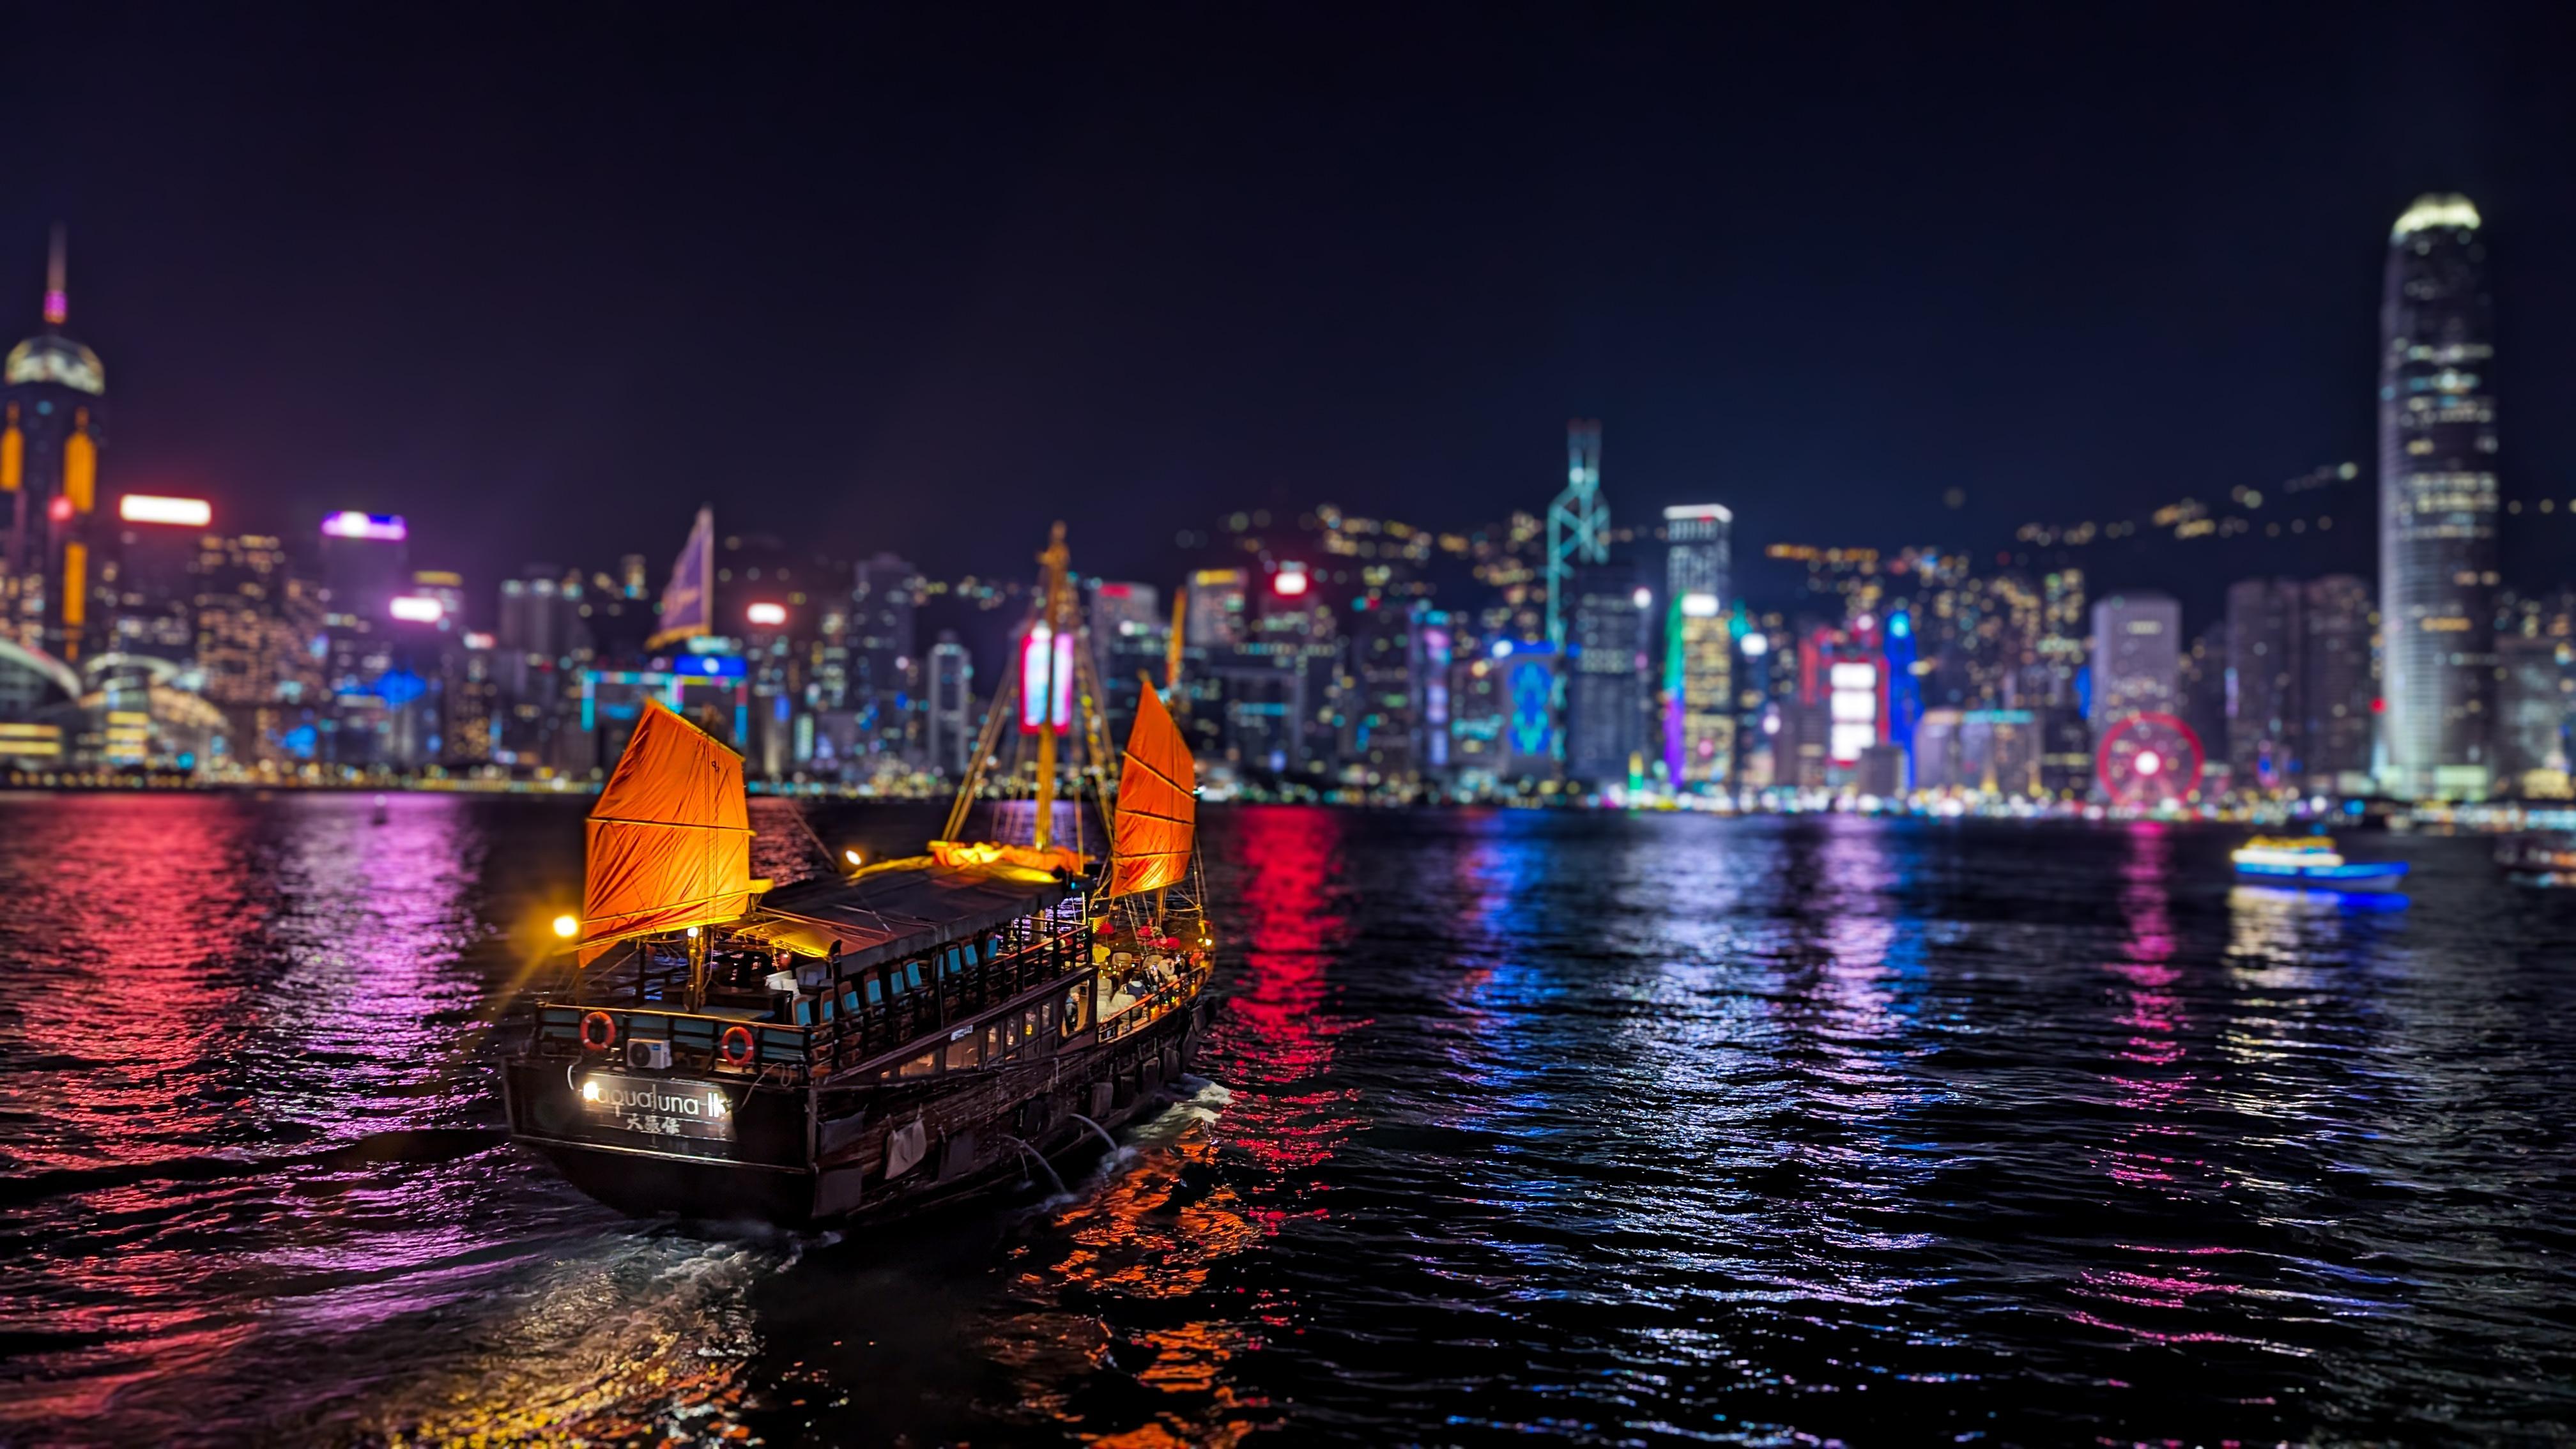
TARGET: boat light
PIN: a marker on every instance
(693, 933)
(590, 1091)
(565, 926)
(853, 857)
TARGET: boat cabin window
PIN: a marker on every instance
(993, 1048)
(920, 1066)
(965, 1053)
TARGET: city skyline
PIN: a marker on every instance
(1581, 654)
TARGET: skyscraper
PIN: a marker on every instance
(883, 591)
(1699, 704)
(2137, 657)
(1696, 558)
(1606, 714)
(2265, 672)
(53, 395)
(1699, 683)
(2437, 503)
(951, 721)
(256, 626)
(1216, 608)
(1130, 641)
(2338, 688)
(1578, 523)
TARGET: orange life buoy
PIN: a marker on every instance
(726, 1042)
(607, 1025)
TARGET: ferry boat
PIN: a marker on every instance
(2311, 861)
(878, 1040)
(2546, 859)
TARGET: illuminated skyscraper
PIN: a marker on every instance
(1696, 551)
(1130, 641)
(2137, 657)
(1606, 707)
(1578, 524)
(1216, 608)
(256, 626)
(2266, 668)
(1699, 711)
(2437, 503)
(1699, 641)
(951, 719)
(53, 395)
(883, 592)
(2338, 686)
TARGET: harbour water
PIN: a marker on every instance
(1592, 1128)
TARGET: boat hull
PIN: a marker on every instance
(830, 1153)
(2371, 877)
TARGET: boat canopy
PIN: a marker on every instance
(900, 908)
(1158, 808)
(669, 843)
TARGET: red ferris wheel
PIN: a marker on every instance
(2147, 759)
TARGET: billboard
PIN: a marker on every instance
(381, 527)
(1046, 680)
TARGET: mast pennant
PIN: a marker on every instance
(1158, 807)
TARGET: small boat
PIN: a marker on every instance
(872, 1042)
(2546, 859)
(2311, 861)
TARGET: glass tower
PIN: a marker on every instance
(2437, 503)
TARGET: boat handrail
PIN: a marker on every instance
(940, 1036)
(1148, 1009)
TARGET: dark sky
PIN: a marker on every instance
(544, 282)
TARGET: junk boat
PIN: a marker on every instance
(2311, 861)
(875, 1041)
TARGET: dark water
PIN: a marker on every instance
(1588, 1128)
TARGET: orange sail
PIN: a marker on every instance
(669, 841)
(1158, 813)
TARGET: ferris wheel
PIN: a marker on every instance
(2147, 759)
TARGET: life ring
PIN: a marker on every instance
(607, 1025)
(1073, 1012)
(725, 1043)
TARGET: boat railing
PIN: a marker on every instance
(1154, 1005)
(847, 1020)
(862, 1014)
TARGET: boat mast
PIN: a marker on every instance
(1054, 561)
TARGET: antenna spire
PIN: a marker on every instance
(57, 301)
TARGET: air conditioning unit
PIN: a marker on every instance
(649, 1055)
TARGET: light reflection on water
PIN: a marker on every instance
(1637, 1129)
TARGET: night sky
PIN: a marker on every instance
(547, 282)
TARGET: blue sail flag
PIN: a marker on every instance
(688, 603)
